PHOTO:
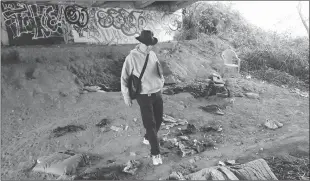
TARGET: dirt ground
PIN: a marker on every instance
(25, 135)
(39, 95)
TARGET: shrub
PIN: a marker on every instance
(259, 49)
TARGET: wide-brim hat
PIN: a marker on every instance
(147, 37)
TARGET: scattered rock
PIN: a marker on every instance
(252, 95)
(197, 158)
(115, 128)
(176, 176)
(272, 124)
(239, 143)
(192, 160)
(131, 167)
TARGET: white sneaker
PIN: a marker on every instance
(145, 141)
(157, 159)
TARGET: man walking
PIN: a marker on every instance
(150, 98)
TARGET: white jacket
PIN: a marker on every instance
(151, 82)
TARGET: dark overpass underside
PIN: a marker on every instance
(172, 5)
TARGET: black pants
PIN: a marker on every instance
(151, 108)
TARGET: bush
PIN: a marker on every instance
(258, 49)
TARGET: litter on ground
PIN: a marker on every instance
(131, 167)
(60, 131)
(60, 163)
(212, 109)
(102, 123)
(169, 122)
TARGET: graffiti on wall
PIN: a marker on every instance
(118, 25)
(40, 20)
(130, 23)
(89, 25)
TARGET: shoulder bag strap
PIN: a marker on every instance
(147, 59)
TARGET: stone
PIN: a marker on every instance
(272, 124)
(239, 143)
(252, 95)
(115, 128)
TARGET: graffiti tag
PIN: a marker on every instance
(130, 23)
(42, 21)
(76, 15)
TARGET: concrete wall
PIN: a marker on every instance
(25, 24)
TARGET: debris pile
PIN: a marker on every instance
(184, 145)
(131, 167)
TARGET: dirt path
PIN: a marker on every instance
(25, 135)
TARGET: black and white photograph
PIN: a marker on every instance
(154, 90)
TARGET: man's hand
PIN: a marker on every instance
(128, 102)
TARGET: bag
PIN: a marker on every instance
(134, 83)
